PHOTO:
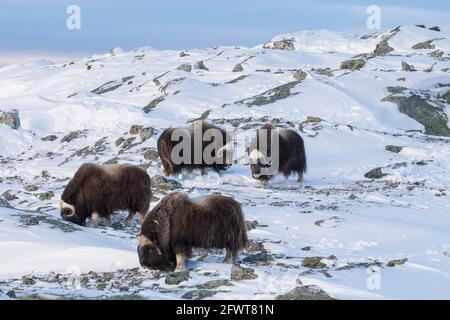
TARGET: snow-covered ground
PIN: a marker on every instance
(382, 236)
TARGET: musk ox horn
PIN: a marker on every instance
(65, 207)
(143, 240)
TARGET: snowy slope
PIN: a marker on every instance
(363, 228)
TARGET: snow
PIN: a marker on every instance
(334, 211)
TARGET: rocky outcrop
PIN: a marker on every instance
(271, 96)
(163, 184)
(353, 64)
(10, 118)
(408, 67)
(305, 293)
(282, 44)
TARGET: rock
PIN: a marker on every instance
(4, 203)
(11, 294)
(396, 89)
(394, 149)
(250, 225)
(238, 68)
(115, 51)
(396, 262)
(49, 138)
(10, 118)
(203, 116)
(183, 54)
(382, 48)
(375, 174)
(201, 65)
(161, 183)
(175, 278)
(300, 75)
(283, 44)
(28, 281)
(435, 28)
(255, 246)
(420, 26)
(198, 294)
(424, 45)
(31, 188)
(107, 87)
(151, 154)
(74, 135)
(446, 97)
(152, 104)
(438, 54)
(114, 160)
(260, 259)
(120, 141)
(324, 72)
(213, 284)
(418, 108)
(186, 67)
(407, 67)
(312, 119)
(316, 262)
(305, 293)
(135, 129)
(241, 273)
(46, 195)
(271, 95)
(9, 196)
(354, 64)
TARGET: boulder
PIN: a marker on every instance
(353, 64)
(305, 293)
(300, 75)
(241, 273)
(375, 174)
(282, 44)
(238, 68)
(408, 67)
(186, 67)
(10, 118)
(161, 183)
(175, 278)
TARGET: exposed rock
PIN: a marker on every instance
(183, 54)
(420, 26)
(74, 135)
(255, 246)
(28, 281)
(144, 133)
(161, 183)
(375, 174)
(119, 141)
(324, 72)
(107, 87)
(382, 48)
(394, 149)
(424, 45)
(397, 262)
(300, 75)
(135, 129)
(203, 116)
(187, 67)
(151, 154)
(213, 284)
(250, 225)
(175, 278)
(271, 95)
(438, 54)
(49, 138)
(115, 51)
(46, 195)
(260, 259)
(408, 67)
(312, 119)
(396, 89)
(4, 203)
(237, 79)
(446, 97)
(305, 293)
(10, 118)
(127, 79)
(30, 188)
(418, 108)
(11, 294)
(316, 262)
(152, 104)
(198, 294)
(241, 273)
(435, 28)
(238, 68)
(201, 65)
(354, 64)
(114, 160)
(9, 196)
(283, 44)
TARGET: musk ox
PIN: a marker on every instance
(177, 224)
(273, 151)
(199, 146)
(99, 190)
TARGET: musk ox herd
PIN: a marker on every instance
(178, 223)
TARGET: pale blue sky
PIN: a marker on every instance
(38, 28)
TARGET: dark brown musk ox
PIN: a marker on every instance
(273, 151)
(177, 224)
(99, 190)
(205, 146)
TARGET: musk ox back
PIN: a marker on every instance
(99, 190)
(199, 146)
(178, 224)
(273, 151)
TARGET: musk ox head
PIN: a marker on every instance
(69, 213)
(150, 255)
(259, 165)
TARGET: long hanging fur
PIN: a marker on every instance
(178, 224)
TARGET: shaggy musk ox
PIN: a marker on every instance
(205, 146)
(178, 224)
(288, 153)
(99, 190)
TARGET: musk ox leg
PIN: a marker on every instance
(231, 256)
(94, 218)
(130, 217)
(300, 177)
(181, 262)
(141, 217)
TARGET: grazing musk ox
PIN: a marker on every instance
(288, 152)
(98, 190)
(202, 138)
(177, 224)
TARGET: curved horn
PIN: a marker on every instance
(65, 205)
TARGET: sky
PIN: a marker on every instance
(37, 29)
